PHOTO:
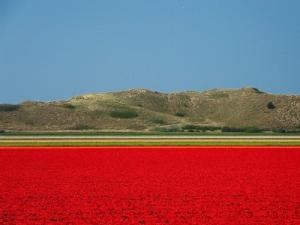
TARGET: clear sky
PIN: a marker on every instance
(59, 48)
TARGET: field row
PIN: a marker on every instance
(152, 142)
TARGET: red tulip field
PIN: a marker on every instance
(150, 185)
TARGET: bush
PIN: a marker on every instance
(9, 107)
(180, 114)
(69, 106)
(158, 121)
(241, 129)
(257, 91)
(279, 131)
(123, 114)
(270, 105)
(232, 129)
(192, 128)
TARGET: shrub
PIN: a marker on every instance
(232, 129)
(257, 91)
(158, 121)
(279, 131)
(241, 129)
(69, 106)
(123, 114)
(196, 128)
(271, 105)
(192, 128)
(180, 114)
(9, 107)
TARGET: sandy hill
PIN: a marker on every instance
(141, 109)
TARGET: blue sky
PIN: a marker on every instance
(60, 48)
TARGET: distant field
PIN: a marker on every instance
(150, 141)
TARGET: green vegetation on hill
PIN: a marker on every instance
(180, 114)
(123, 114)
(69, 106)
(9, 107)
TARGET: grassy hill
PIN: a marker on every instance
(145, 110)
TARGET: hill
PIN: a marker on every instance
(144, 110)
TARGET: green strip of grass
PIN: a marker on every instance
(181, 143)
